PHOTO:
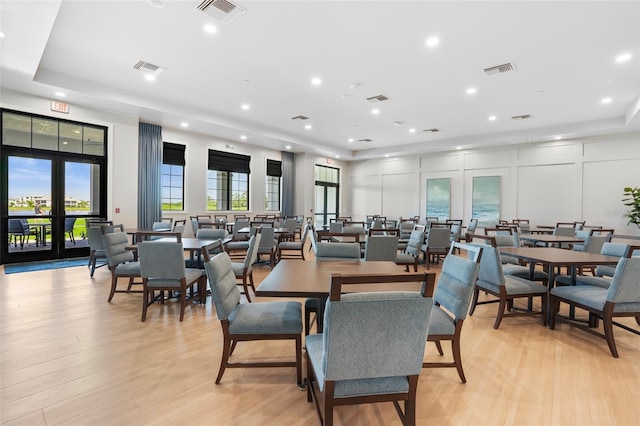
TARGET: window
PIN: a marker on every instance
(172, 176)
(227, 181)
(274, 174)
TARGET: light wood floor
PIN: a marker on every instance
(70, 358)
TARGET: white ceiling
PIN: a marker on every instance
(564, 54)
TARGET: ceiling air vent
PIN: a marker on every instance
(499, 69)
(300, 117)
(379, 98)
(432, 130)
(221, 10)
(365, 140)
(149, 69)
(521, 117)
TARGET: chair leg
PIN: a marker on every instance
(439, 347)
(555, 307)
(299, 361)
(246, 288)
(457, 358)
(501, 308)
(183, 302)
(328, 403)
(607, 323)
(114, 283)
(474, 300)
(226, 352)
(251, 281)
(145, 303)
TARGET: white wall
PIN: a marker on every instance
(580, 179)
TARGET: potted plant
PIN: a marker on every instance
(633, 201)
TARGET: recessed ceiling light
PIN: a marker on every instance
(350, 139)
(492, 118)
(62, 95)
(337, 156)
(245, 107)
(354, 86)
(243, 137)
(287, 147)
(433, 41)
(375, 111)
(247, 81)
(623, 58)
(386, 155)
(210, 28)
(184, 124)
(158, 4)
(316, 81)
(458, 147)
(76, 131)
(398, 123)
(471, 90)
(558, 138)
(606, 100)
(1, 34)
(149, 77)
(65, 143)
(307, 126)
(412, 130)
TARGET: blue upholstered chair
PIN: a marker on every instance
(162, 268)
(437, 244)
(411, 255)
(244, 270)
(453, 293)
(293, 249)
(371, 349)
(505, 287)
(96, 247)
(17, 232)
(251, 321)
(471, 229)
(603, 273)
(212, 234)
(621, 299)
(381, 247)
(268, 245)
(120, 260)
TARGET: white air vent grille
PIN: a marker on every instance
(300, 117)
(149, 69)
(221, 10)
(379, 98)
(499, 69)
(432, 130)
(521, 117)
(365, 140)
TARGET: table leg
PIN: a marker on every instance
(320, 315)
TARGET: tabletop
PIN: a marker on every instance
(550, 239)
(558, 256)
(297, 278)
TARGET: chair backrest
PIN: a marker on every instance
(161, 226)
(314, 238)
(212, 233)
(267, 239)
(151, 235)
(624, 288)
(471, 227)
(337, 251)
(69, 223)
(211, 249)
(94, 235)
(161, 260)
(414, 245)
(438, 238)
(335, 227)
(115, 245)
(377, 223)
(381, 247)
(584, 233)
(15, 226)
(491, 266)
(456, 232)
(594, 243)
(291, 224)
(374, 335)
(457, 280)
(304, 234)
(564, 229)
(179, 225)
(252, 251)
(616, 249)
(224, 290)
(238, 225)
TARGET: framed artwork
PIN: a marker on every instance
(486, 200)
(439, 198)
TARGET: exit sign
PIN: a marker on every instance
(59, 107)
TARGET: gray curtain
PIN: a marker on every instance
(149, 174)
(288, 177)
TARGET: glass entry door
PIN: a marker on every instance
(327, 195)
(48, 202)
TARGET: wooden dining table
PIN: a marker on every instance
(551, 239)
(312, 279)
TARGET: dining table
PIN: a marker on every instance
(312, 279)
(551, 239)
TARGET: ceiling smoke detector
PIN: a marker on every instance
(378, 98)
(221, 10)
(499, 69)
(521, 117)
(300, 117)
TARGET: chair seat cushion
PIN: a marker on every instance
(192, 275)
(584, 280)
(405, 258)
(592, 297)
(605, 270)
(238, 269)
(290, 245)
(441, 322)
(523, 272)
(237, 245)
(514, 286)
(266, 318)
(129, 268)
(349, 388)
